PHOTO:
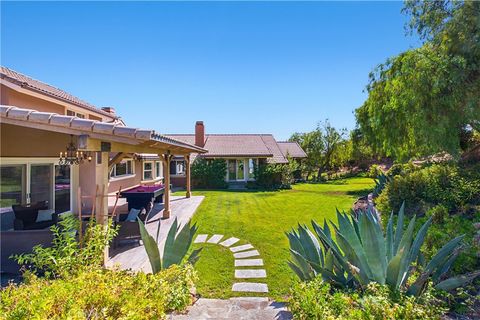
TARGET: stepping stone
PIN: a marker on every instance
(250, 287)
(250, 273)
(201, 238)
(246, 254)
(248, 262)
(241, 248)
(215, 238)
(229, 241)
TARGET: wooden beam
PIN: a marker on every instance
(187, 174)
(116, 159)
(166, 197)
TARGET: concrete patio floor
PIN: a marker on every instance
(132, 255)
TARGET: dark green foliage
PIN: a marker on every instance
(273, 176)
(318, 300)
(454, 187)
(421, 101)
(209, 174)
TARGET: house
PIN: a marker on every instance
(241, 151)
(39, 124)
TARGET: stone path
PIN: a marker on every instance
(240, 253)
(236, 308)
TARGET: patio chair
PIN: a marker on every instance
(26, 216)
(129, 230)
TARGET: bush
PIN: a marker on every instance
(439, 184)
(317, 300)
(273, 176)
(100, 294)
(67, 256)
(209, 174)
(374, 171)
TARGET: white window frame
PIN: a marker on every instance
(158, 170)
(76, 114)
(174, 162)
(152, 171)
(114, 170)
(28, 162)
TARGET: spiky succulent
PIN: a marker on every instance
(176, 246)
(361, 254)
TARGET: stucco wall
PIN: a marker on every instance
(14, 98)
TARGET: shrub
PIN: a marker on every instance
(439, 184)
(317, 300)
(100, 294)
(273, 176)
(209, 174)
(67, 256)
(374, 171)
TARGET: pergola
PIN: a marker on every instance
(29, 133)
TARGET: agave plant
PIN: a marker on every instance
(380, 183)
(362, 254)
(176, 247)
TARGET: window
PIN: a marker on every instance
(148, 170)
(251, 169)
(177, 167)
(123, 168)
(158, 169)
(75, 114)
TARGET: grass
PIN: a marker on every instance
(262, 218)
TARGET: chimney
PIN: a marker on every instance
(110, 110)
(199, 134)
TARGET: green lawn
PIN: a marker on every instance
(262, 218)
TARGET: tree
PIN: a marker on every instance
(421, 101)
(320, 146)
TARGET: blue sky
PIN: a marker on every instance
(251, 67)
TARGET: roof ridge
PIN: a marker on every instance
(79, 102)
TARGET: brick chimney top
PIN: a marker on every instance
(110, 110)
(199, 134)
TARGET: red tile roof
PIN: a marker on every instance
(291, 149)
(36, 85)
(239, 145)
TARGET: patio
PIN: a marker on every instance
(132, 255)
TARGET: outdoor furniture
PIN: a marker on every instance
(26, 216)
(140, 196)
(129, 230)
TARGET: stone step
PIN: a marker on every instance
(250, 273)
(248, 262)
(230, 241)
(241, 248)
(236, 308)
(201, 238)
(250, 287)
(246, 254)
(215, 238)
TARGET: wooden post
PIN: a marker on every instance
(101, 179)
(187, 173)
(166, 196)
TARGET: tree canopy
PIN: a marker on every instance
(421, 101)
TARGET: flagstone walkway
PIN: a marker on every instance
(240, 253)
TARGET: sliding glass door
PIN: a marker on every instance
(12, 185)
(41, 181)
(25, 181)
(232, 170)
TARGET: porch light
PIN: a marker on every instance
(72, 155)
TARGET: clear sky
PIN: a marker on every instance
(251, 67)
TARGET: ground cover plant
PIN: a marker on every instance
(68, 280)
(98, 293)
(262, 218)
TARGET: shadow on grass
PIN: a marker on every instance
(359, 193)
